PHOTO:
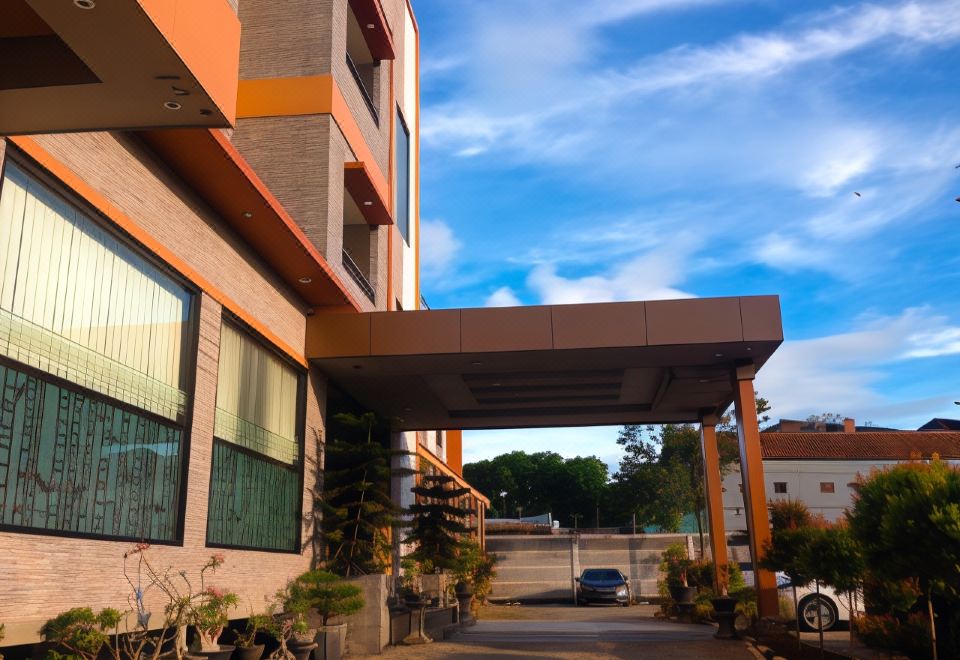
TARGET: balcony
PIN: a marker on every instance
(359, 78)
(117, 64)
(351, 267)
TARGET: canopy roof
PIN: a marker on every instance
(559, 365)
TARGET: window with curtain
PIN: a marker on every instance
(78, 303)
(92, 351)
(255, 480)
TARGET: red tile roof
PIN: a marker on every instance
(896, 445)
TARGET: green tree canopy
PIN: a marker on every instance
(543, 482)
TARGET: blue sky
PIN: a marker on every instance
(592, 150)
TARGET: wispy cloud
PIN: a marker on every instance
(502, 297)
(439, 247)
(842, 372)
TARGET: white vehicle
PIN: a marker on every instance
(833, 607)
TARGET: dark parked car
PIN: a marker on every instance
(603, 585)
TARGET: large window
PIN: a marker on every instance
(403, 178)
(92, 360)
(255, 482)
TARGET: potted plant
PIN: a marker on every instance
(247, 647)
(331, 597)
(295, 633)
(473, 571)
(207, 612)
(80, 632)
(676, 565)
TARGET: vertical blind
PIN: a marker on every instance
(256, 397)
(77, 303)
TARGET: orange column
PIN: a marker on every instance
(712, 484)
(754, 492)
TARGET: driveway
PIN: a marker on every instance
(542, 632)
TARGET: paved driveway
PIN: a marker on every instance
(568, 633)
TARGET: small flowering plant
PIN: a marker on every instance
(209, 609)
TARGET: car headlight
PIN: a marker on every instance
(622, 591)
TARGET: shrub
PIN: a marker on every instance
(676, 565)
(80, 631)
(885, 631)
(256, 623)
(475, 567)
(329, 594)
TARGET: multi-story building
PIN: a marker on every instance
(820, 466)
(209, 217)
(183, 186)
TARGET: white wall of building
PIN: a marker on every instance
(802, 478)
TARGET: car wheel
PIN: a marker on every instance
(809, 618)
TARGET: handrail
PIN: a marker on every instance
(363, 89)
(358, 276)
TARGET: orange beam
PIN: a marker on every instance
(434, 460)
(93, 197)
(754, 491)
(712, 483)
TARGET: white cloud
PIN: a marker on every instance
(503, 297)
(840, 373)
(438, 248)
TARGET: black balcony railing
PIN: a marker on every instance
(423, 303)
(358, 276)
(363, 89)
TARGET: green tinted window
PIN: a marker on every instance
(76, 464)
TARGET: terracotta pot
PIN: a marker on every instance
(254, 652)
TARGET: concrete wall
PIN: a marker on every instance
(368, 631)
(535, 568)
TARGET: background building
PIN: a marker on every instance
(820, 467)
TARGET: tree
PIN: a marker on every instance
(791, 533)
(543, 482)
(355, 501)
(438, 521)
(661, 473)
(907, 522)
(833, 557)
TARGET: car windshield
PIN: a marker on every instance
(605, 574)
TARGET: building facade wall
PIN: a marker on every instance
(44, 573)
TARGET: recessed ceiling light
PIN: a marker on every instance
(172, 105)
(206, 112)
(305, 280)
(85, 4)
(368, 203)
(357, 366)
(248, 214)
(476, 364)
(497, 384)
(704, 380)
(718, 355)
(371, 26)
(749, 349)
(407, 409)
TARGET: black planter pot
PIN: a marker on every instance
(683, 595)
(254, 652)
(725, 612)
(223, 653)
(301, 648)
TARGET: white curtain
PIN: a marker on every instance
(256, 397)
(78, 303)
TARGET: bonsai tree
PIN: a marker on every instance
(474, 567)
(256, 623)
(329, 594)
(355, 504)
(906, 519)
(208, 610)
(81, 632)
(675, 564)
(438, 521)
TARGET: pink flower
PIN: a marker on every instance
(215, 592)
